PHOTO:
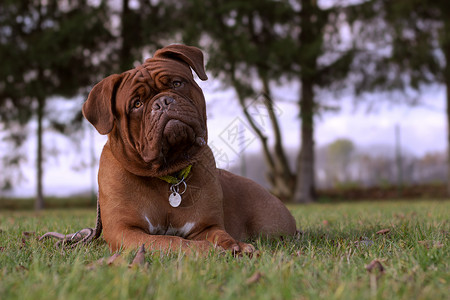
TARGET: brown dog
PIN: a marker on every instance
(158, 181)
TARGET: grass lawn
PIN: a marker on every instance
(328, 261)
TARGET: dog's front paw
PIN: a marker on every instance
(222, 240)
(237, 248)
(228, 244)
(246, 248)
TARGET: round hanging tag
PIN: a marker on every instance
(175, 199)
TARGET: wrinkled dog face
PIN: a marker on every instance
(154, 114)
(164, 121)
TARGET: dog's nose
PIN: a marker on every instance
(162, 103)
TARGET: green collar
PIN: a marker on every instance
(175, 179)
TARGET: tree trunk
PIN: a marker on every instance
(126, 58)
(305, 187)
(308, 38)
(39, 201)
(131, 30)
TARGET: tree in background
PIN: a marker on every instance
(338, 161)
(47, 48)
(404, 46)
(430, 168)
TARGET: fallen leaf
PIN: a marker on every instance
(431, 244)
(364, 241)
(373, 276)
(383, 231)
(21, 268)
(400, 216)
(139, 258)
(437, 244)
(256, 277)
(23, 243)
(115, 260)
(95, 264)
(28, 234)
(375, 264)
(92, 266)
(426, 244)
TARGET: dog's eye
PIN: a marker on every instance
(177, 84)
(138, 104)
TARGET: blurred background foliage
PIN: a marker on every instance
(58, 49)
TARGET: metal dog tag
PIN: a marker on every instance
(175, 199)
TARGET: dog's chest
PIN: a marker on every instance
(169, 229)
(158, 217)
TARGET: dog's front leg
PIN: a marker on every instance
(130, 238)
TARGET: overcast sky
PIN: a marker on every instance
(423, 129)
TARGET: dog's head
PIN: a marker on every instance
(155, 114)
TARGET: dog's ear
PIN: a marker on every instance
(98, 108)
(191, 55)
